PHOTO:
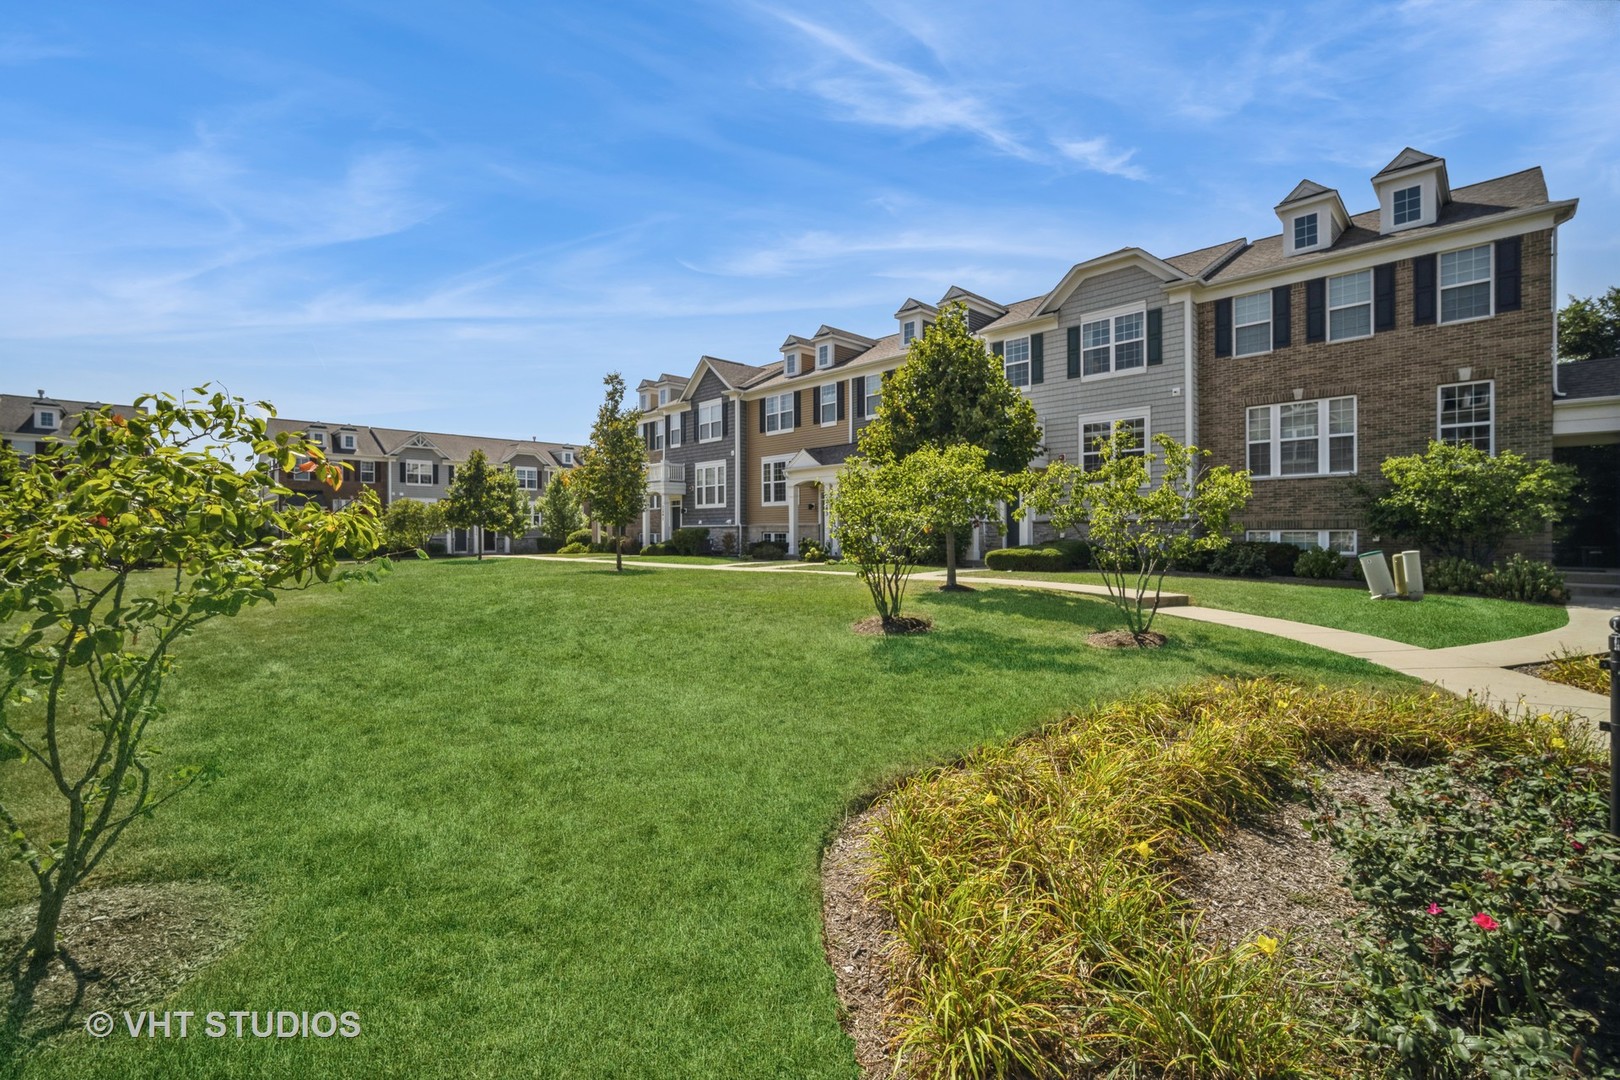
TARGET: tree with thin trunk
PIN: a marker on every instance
(882, 525)
(612, 472)
(408, 525)
(559, 509)
(91, 626)
(952, 391)
(487, 498)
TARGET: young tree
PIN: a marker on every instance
(1459, 500)
(612, 472)
(1139, 529)
(559, 509)
(952, 391)
(484, 497)
(408, 524)
(90, 632)
(957, 489)
(880, 519)
(1589, 327)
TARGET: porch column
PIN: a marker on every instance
(828, 490)
(793, 520)
(646, 524)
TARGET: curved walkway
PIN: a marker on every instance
(1478, 671)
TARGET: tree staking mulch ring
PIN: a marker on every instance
(877, 626)
(1124, 639)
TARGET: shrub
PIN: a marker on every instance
(1280, 557)
(766, 551)
(579, 536)
(1519, 578)
(1318, 562)
(1076, 554)
(812, 550)
(1490, 942)
(573, 549)
(1580, 670)
(728, 543)
(627, 546)
(546, 545)
(1026, 558)
(435, 546)
(1451, 574)
(1246, 558)
(655, 549)
(694, 541)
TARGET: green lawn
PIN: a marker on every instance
(1437, 621)
(696, 560)
(539, 819)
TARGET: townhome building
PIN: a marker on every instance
(666, 481)
(26, 422)
(1347, 339)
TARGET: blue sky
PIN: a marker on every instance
(459, 217)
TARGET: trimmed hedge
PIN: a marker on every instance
(1026, 558)
(693, 541)
(579, 536)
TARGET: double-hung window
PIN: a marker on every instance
(1015, 360)
(368, 472)
(1113, 344)
(827, 403)
(656, 429)
(418, 472)
(1465, 284)
(1096, 431)
(773, 482)
(346, 441)
(1303, 438)
(1251, 324)
(1466, 415)
(663, 395)
(907, 332)
(567, 457)
(318, 438)
(824, 356)
(710, 425)
(791, 363)
(711, 484)
(528, 477)
(1305, 232)
(1408, 204)
(676, 431)
(1349, 298)
(778, 413)
(874, 392)
(45, 419)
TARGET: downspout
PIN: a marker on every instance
(1189, 351)
(737, 484)
(1557, 393)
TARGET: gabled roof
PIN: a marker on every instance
(1114, 260)
(735, 376)
(1206, 260)
(847, 335)
(1590, 378)
(1306, 189)
(1022, 311)
(832, 455)
(665, 378)
(17, 413)
(795, 339)
(382, 441)
(1406, 159)
(913, 304)
(956, 292)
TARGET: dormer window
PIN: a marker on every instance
(1409, 204)
(46, 419)
(566, 457)
(908, 332)
(318, 438)
(790, 363)
(346, 441)
(1305, 233)
(823, 356)
(663, 395)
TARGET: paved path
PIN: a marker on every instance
(1478, 671)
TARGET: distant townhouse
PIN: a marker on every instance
(27, 422)
(661, 409)
(400, 464)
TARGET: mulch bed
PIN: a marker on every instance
(125, 946)
(1124, 639)
(877, 626)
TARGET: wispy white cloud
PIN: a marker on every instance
(1100, 155)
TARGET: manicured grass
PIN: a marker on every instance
(541, 819)
(697, 560)
(1438, 621)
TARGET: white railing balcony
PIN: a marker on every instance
(666, 478)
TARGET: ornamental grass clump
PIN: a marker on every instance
(1031, 883)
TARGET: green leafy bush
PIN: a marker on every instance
(812, 550)
(573, 549)
(1490, 941)
(655, 549)
(580, 536)
(693, 541)
(1076, 553)
(1519, 578)
(1026, 558)
(545, 545)
(728, 543)
(1280, 557)
(1451, 574)
(1245, 558)
(1318, 562)
(765, 551)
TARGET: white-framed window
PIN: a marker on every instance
(710, 477)
(646, 401)
(780, 539)
(346, 441)
(778, 413)
(1305, 234)
(663, 395)
(1465, 284)
(1349, 302)
(710, 423)
(1467, 415)
(318, 438)
(1095, 428)
(874, 392)
(656, 430)
(827, 403)
(528, 477)
(298, 473)
(1113, 343)
(368, 472)
(908, 331)
(1015, 360)
(1408, 204)
(1303, 438)
(46, 419)
(1341, 540)
(655, 501)
(790, 363)
(1251, 324)
(773, 485)
(676, 431)
(418, 472)
(824, 356)
(566, 456)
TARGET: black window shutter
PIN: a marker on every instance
(797, 394)
(857, 386)
(1423, 273)
(666, 422)
(1037, 358)
(725, 417)
(1508, 250)
(1074, 352)
(1282, 316)
(762, 417)
(450, 473)
(435, 472)
(1223, 327)
(691, 428)
(840, 395)
(402, 472)
(1384, 297)
(999, 348)
(1316, 309)
(1155, 336)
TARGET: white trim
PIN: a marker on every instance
(717, 426)
(346, 440)
(783, 414)
(1111, 317)
(698, 485)
(1323, 538)
(360, 471)
(1329, 308)
(833, 401)
(1489, 282)
(790, 364)
(1144, 414)
(1324, 438)
(1439, 407)
(787, 485)
(1265, 299)
(825, 355)
(519, 471)
(416, 465)
(54, 414)
(1027, 363)
(1314, 218)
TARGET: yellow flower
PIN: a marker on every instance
(1264, 945)
(991, 800)
(1142, 848)
(1557, 743)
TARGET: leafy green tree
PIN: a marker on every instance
(408, 525)
(90, 630)
(1589, 326)
(1461, 501)
(485, 497)
(881, 522)
(958, 488)
(559, 509)
(612, 472)
(951, 391)
(1139, 529)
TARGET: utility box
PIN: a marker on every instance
(1374, 569)
(1409, 575)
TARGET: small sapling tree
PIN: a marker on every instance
(612, 471)
(485, 497)
(408, 525)
(90, 625)
(1139, 529)
(882, 523)
(559, 509)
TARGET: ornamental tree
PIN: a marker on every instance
(485, 497)
(115, 543)
(881, 520)
(559, 509)
(958, 489)
(1461, 501)
(1139, 529)
(612, 472)
(1589, 326)
(951, 391)
(408, 525)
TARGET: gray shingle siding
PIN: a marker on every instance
(691, 452)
